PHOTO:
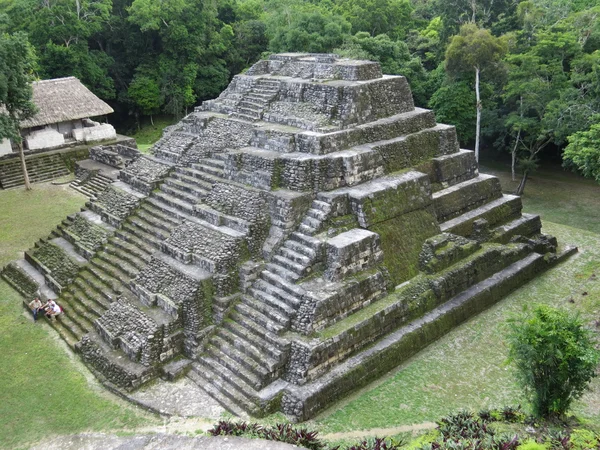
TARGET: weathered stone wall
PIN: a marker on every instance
(114, 205)
(83, 233)
(145, 174)
(52, 261)
(106, 155)
(20, 280)
(351, 252)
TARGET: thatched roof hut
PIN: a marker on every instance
(64, 100)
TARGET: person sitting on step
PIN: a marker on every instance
(35, 305)
(52, 309)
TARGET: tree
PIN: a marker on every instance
(583, 151)
(474, 50)
(555, 357)
(18, 61)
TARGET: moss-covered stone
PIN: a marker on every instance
(401, 242)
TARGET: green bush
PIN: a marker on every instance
(531, 445)
(555, 358)
(584, 439)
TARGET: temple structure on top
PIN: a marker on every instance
(286, 243)
(64, 110)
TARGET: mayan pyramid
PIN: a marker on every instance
(286, 243)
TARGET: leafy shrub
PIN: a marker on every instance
(560, 440)
(584, 440)
(555, 358)
(531, 445)
(280, 433)
(376, 444)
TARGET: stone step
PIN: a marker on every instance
(111, 276)
(244, 117)
(199, 175)
(64, 322)
(463, 197)
(258, 337)
(526, 225)
(229, 381)
(116, 272)
(213, 162)
(128, 263)
(189, 185)
(249, 103)
(155, 211)
(210, 381)
(251, 111)
(283, 272)
(135, 229)
(218, 219)
(503, 209)
(292, 266)
(295, 256)
(290, 299)
(94, 308)
(308, 241)
(312, 222)
(283, 284)
(316, 214)
(87, 292)
(320, 205)
(156, 220)
(149, 228)
(77, 312)
(130, 246)
(185, 197)
(300, 248)
(272, 301)
(174, 202)
(259, 99)
(211, 170)
(258, 317)
(307, 229)
(256, 365)
(267, 310)
(266, 91)
(249, 377)
(98, 285)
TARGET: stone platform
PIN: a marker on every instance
(284, 244)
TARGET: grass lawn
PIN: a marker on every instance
(467, 368)
(45, 389)
(148, 134)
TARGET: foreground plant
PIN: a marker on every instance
(555, 356)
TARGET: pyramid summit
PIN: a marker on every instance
(286, 243)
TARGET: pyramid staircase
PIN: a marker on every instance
(382, 235)
(93, 185)
(41, 167)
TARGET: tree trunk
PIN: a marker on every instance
(151, 120)
(478, 128)
(514, 156)
(24, 166)
(521, 187)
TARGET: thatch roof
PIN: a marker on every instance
(63, 100)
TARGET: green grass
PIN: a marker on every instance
(45, 389)
(148, 134)
(556, 195)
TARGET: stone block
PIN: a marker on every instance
(45, 138)
(389, 197)
(352, 252)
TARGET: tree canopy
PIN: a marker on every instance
(536, 61)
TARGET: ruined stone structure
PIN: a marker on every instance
(286, 243)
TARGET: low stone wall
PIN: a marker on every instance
(53, 262)
(20, 280)
(114, 205)
(107, 155)
(127, 377)
(145, 174)
(444, 250)
(351, 252)
(86, 236)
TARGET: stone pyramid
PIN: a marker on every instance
(286, 243)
